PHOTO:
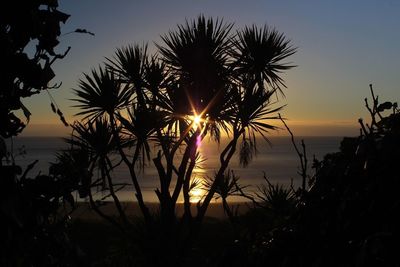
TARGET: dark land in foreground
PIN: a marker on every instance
(345, 213)
(104, 245)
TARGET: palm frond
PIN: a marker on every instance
(254, 110)
(228, 186)
(194, 184)
(95, 136)
(260, 52)
(99, 94)
(248, 148)
(197, 55)
(130, 64)
(141, 124)
(155, 75)
(276, 197)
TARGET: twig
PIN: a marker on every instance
(303, 159)
(243, 194)
(28, 169)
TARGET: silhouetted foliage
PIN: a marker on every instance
(348, 217)
(203, 82)
(28, 35)
(226, 187)
(34, 211)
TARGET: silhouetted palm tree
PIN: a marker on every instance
(277, 198)
(98, 139)
(205, 70)
(223, 78)
(105, 95)
(226, 187)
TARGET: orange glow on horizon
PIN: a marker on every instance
(299, 128)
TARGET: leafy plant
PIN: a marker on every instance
(34, 210)
(350, 208)
(202, 82)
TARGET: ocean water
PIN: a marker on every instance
(278, 161)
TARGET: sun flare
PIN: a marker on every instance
(197, 120)
(196, 194)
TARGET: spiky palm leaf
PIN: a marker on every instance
(98, 139)
(248, 148)
(276, 197)
(155, 75)
(95, 136)
(130, 64)
(72, 165)
(195, 184)
(100, 94)
(141, 124)
(253, 113)
(228, 186)
(173, 104)
(260, 52)
(197, 55)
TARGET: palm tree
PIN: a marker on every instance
(225, 187)
(276, 198)
(104, 96)
(206, 80)
(97, 138)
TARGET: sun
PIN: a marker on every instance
(197, 120)
(196, 194)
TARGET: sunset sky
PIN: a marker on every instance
(343, 46)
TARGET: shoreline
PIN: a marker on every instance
(215, 210)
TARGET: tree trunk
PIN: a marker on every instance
(114, 196)
(230, 150)
(131, 167)
(228, 210)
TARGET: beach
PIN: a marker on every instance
(84, 212)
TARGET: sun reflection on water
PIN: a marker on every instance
(196, 194)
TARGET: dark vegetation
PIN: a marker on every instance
(33, 229)
(29, 35)
(348, 215)
(345, 216)
(344, 213)
(139, 109)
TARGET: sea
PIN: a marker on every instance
(278, 161)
